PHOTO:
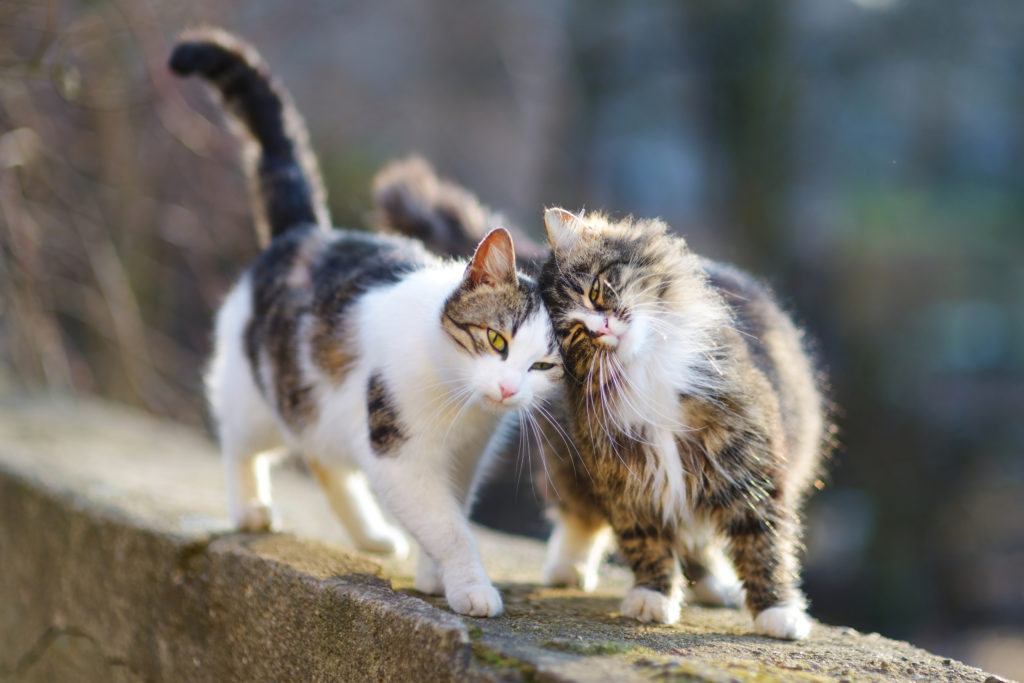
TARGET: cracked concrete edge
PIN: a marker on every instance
(128, 603)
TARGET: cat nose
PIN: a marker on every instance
(604, 335)
(605, 327)
(506, 391)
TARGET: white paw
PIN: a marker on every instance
(386, 541)
(428, 580)
(712, 591)
(254, 518)
(571, 575)
(787, 622)
(647, 605)
(480, 600)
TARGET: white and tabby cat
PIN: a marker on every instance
(382, 364)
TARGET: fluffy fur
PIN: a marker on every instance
(389, 369)
(697, 418)
(410, 199)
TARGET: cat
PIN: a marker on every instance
(698, 418)
(388, 368)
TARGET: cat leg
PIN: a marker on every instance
(428, 575)
(248, 484)
(575, 550)
(247, 448)
(352, 501)
(712, 580)
(656, 595)
(764, 553)
(246, 427)
(411, 484)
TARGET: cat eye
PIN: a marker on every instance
(540, 365)
(497, 342)
(595, 292)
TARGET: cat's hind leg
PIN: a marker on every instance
(575, 550)
(709, 573)
(247, 429)
(248, 484)
(249, 439)
(350, 498)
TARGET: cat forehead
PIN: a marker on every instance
(504, 306)
(603, 254)
(535, 335)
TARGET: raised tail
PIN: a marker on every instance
(410, 199)
(284, 176)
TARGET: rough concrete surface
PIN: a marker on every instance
(117, 564)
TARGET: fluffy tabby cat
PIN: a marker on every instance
(697, 417)
(375, 359)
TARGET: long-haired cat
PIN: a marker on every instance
(697, 418)
(375, 359)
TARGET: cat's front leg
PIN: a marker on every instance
(656, 595)
(414, 487)
(763, 550)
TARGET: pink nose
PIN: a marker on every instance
(506, 392)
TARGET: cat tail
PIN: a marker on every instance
(410, 199)
(283, 174)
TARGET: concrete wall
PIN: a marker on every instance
(116, 564)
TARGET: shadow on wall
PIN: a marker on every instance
(864, 157)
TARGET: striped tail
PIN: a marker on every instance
(284, 176)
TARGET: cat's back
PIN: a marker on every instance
(290, 315)
(325, 267)
(776, 346)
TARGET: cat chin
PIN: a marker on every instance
(497, 407)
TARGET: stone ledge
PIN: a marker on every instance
(117, 567)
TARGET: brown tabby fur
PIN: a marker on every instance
(747, 430)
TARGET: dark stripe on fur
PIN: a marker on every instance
(386, 430)
(284, 173)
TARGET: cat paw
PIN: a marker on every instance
(428, 580)
(480, 600)
(786, 622)
(389, 541)
(570, 575)
(713, 591)
(650, 606)
(254, 519)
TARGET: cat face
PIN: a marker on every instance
(508, 355)
(611, 288)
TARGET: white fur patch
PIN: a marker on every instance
(786, 622)
(714, 591)
(481, 600)
(651, 606)
(574, 554)
(428, 576)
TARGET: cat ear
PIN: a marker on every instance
(564, 228)
(494, 261)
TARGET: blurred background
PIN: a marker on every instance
(864, 157)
